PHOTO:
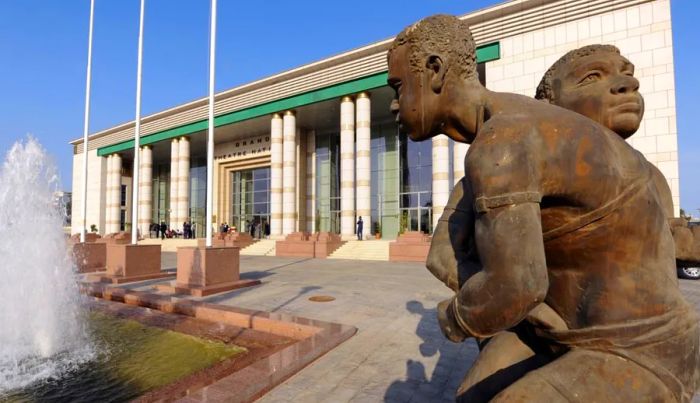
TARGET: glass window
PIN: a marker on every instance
(328, 182)
(251, 201)
(416, 185)
(123, 196)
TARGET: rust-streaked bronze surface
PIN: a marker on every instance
(562, 234)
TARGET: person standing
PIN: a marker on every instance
(360, 224)
(163, 228)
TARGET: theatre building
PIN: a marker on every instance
(314, 148)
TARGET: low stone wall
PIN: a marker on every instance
(302, 244)
(412, 246)
(296, 244)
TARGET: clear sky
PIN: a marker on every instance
(43, 48)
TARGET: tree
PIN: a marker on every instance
(684, 215)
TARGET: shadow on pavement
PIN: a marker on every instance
(451, 367)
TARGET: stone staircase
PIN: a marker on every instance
(263, 247)
(362, 250)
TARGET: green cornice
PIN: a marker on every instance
(484, 53)
(488, 52)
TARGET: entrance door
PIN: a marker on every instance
(417, 219)
(251, 201)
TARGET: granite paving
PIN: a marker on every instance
(398, 353)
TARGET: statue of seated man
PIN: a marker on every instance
(612, 85)
(566, 213)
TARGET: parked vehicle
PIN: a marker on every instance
(686, 237)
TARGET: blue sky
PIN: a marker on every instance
(44, 49)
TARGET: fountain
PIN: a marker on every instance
(60, 345)
(42, 333)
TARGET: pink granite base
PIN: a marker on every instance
(203, 271)
(311, 339)
(128, 263)
(412, 246)
(90, 257)
(89, 237)
(119, 238)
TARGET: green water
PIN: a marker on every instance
(133, 359)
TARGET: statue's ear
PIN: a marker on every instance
(436, 71)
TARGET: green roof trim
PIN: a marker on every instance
(484, 53)
(488, 52)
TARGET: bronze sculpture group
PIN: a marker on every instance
(556, 242)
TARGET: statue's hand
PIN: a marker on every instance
(448, 324)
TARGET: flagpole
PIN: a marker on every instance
(86, 123)
(137, 137)
(210, 134)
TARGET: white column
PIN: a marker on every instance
(145, 190)
(347, 168)
(183, 185)
(174, 182)
(276, 140)
(289, 166)
(362, 184)
(311, 182)
(459, 153)
(116, 192)
(109, 188)
(441, 175)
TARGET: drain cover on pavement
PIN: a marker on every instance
(321, 298)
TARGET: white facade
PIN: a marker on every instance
(531, 36)
(642, 32)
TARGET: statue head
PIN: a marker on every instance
(422, 58)
(597, 82)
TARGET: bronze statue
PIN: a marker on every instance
(571, 247)
(613, 85)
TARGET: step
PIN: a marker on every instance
(264, 247)
(363, 250)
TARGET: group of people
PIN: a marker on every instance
(258, 229)
(162, 231)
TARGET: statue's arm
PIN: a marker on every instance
(504, 174)
(448, 246)
(514, 275)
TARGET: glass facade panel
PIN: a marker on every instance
(416, 194)
(198, 196)
(328, 182)
(251, 201)
(161, 193)
(384, 190)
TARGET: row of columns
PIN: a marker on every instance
(355, 175)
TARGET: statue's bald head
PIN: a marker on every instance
(443, 35)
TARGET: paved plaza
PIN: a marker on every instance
(398, 353)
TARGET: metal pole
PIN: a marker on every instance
(86, 124)
(210, 134)
(137, 138)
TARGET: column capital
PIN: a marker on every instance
(276, 115)
(145, 147)
(363, 94)
(346, 98)
(175, 140)
(183, 138)
(290, 112)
